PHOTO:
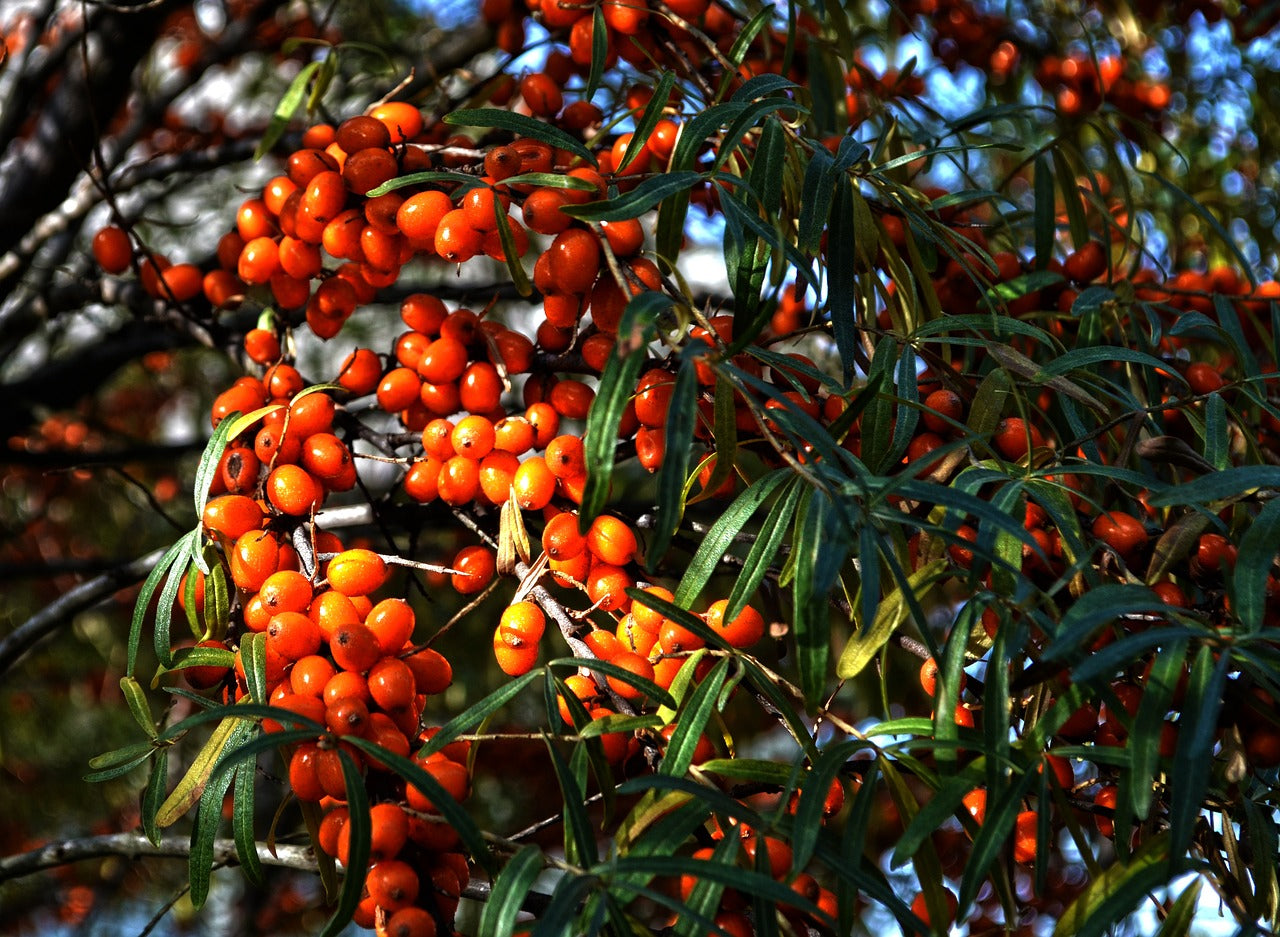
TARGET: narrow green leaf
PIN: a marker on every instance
(842, 273)
(579, 838)
(639, 200)
(893, 611)
(153, 795)
(682, 416)
(242, 822)
(209, 460)
(512, 257)
(149, 586)
(617, 387)
(764, 548)
(1145, 737)
(253, 651)
(996, 830)
(653, 112)
(138, 707)
(1117, 891)
(1092, 610)
(814, 547)
(448, 808)
(509, 891)
(814, 787)
(475, 714)
(1046, 212)
(208, 818)
(648, 687)
(285, 109)
(1253, 565)
(693, 720)
(566, 900)
(522, 125)
(169, 595)
(1178, 921)
(717, 540)
(1193, 758)
(360, 832)
(599, 52)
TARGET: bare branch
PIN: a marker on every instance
(65, 607)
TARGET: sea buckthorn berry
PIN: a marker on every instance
(674, 638)
(1123, 532)
(632, 663)
(392, 684)
(473, 437)
(514, 660)
(362, 132)
(357, 572)
(475, 567)
(422, 481)
(607, 587)
(497, 471)
(232, 516)
(398, 389)
(561, 539)
(310, 673)
(293, 635)
(254, 557)
(741, 632)
(292, 490)
(611, 540)
(513, 434)
(443, 360)
(392, 884)
(303, 777)
(541, 211)
(541, 93)
(571, 399)
(402, 120)
(480, 388)
(431, 670)
(575, 260)
(325, 456)
(944, 408)
(534, 484)
(565, 456)
(1204, 378)
(419, 216)
(522, 623)
(459, 480)
(455, 239)
(286, 591)
(646, 618)
(545, 422)
(112, 249)
(1015, 438)
(411, 922)
(354, 647)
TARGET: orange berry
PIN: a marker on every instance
(534, 484)
(611, 540)
(475, 567)
(522, 623)
(741, 632)
(357, 572)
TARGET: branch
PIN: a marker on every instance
(60, 610)
(135, 846)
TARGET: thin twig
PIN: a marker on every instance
(62, 609)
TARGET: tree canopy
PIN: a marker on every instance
(640, 466)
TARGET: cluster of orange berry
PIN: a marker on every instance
(338, 658)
